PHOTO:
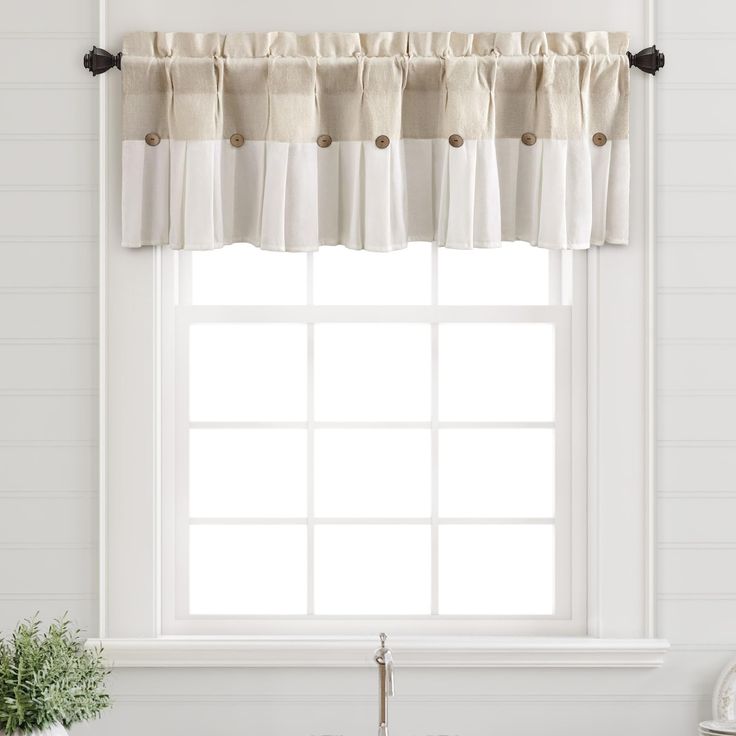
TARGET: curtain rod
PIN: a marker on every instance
(97, 61)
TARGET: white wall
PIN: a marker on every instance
(48, 312)
(48, 317)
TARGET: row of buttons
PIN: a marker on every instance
(383, 141)
(325, 141)
(529, 139)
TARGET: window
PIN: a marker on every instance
(350, 436)
(607, 312)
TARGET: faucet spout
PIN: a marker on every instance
(385, 661)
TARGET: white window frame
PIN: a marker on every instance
(178, 314)
(620, 610)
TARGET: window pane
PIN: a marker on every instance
(371, 372)
(374, 473)
(497, 472)
(247, 569)
(248, 372)
(247, 472)
(496, 372)
(343, 276)
(242, 274)
(497, 569)
(512, 274)
(372, 569)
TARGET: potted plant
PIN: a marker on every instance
(48, 680)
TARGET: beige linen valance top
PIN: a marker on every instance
(245, 93)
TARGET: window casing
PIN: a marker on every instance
(423, 316)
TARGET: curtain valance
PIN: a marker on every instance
(373, 140)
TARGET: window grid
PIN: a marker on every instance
(434, 425)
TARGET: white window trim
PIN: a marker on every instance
(621, 580)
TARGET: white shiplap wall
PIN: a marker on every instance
(697, 329)
(48, 317)
(48, 312)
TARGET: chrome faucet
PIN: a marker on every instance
(385, 661)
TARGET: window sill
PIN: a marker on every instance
(423, 651)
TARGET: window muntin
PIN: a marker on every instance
(359, 371)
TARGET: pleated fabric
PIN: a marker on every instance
(280, 190)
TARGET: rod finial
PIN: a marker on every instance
(649, 60)
(98, 61)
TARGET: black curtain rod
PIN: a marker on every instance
(98, 61)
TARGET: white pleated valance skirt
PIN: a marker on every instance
(375, 140)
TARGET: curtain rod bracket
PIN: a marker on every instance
(649, 60)
(98, 61)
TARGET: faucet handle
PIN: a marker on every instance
(389, 662)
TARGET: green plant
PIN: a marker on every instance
(49, 677)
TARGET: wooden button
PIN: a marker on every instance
(153, 139)
(324, 141)
(237, 140)
(528, 139)
(600, 139)
(456, 140)
(382, 141)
